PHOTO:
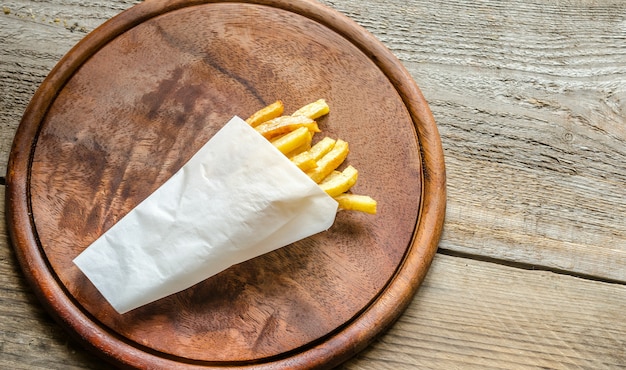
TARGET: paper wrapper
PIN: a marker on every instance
(237, 198)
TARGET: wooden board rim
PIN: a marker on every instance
(338, 346)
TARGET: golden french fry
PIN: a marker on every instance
(329, 162)
(304, 161)
(302, 148)
(339, 182)
(267, 113)
(322, 147)
(295, 139)
(333, 175)
(284, 124)
(313, 110)
(354, 202)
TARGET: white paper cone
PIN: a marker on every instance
(237, 198)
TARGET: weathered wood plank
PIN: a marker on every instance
(530, 98)
(471, 314)
(78, 17)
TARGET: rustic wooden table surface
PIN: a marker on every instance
(530, 101)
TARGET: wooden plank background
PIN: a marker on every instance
(530, 100)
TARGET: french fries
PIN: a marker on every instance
(329, 162)
(285, 124)
(354, 202)
(304, 161)
(322, 147)
(293, 140)
(293, 134)
(339, 182)
(313, 110)
(271, 111)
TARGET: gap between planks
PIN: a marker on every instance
(527, 266)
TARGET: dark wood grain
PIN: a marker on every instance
(134, 100)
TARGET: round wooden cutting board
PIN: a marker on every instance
(133, 101)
